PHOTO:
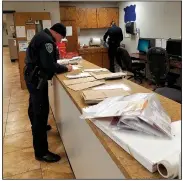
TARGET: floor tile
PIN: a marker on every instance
(6, 104)
(4, 129)
(18, 95)
(18, 106)
(20, 126)
(17, 142)
(17, 115)
(5, 115)
(19, 162)
(58, 170)
(53, 135)
(34, 174)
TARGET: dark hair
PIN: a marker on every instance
(59, 28)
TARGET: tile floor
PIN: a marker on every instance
(18, 155)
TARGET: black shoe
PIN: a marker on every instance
(49, 157)
(48, 127)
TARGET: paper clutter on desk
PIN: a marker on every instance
(141, 112)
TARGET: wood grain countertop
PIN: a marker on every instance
(94, 49)
(130, 168)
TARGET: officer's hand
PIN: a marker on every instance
(69, 68)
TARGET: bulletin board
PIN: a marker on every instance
(27, 24)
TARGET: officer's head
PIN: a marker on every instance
(113, 23)
(58, 31)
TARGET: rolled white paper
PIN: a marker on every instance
(96, 41)
(180, 166)
(169, 166)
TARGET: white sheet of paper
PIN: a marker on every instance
(113, 86)
(95, 70)
(46, 24)
(76, 67)
(22, 46)
(164, 41)
(20, 31)
(30, 34)
(158, 43)
(69, 30)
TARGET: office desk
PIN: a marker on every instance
(143, 58)
(139, 57)
(92, 154)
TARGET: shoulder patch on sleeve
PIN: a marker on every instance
(49, 47)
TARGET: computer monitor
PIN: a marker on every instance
(174, 48)
(143, 45)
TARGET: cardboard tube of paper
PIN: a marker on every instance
(180, 166)
(169, 167)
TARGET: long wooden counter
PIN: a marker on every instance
(128, 166)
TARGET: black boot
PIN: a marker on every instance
(49, 157)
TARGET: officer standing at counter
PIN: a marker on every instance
(41, 65)
(115, 37)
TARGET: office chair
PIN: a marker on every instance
(158, 64)
(128, 65)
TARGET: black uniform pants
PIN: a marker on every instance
(38, 112)
(112, 53)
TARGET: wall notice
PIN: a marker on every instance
(20, 31)
(22, 46)
(30, 34)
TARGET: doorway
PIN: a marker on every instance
(8, 26)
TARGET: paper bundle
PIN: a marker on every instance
(85, 85)
(141, 112)
(74, 60)
(79, 75)
(109, 76)
(96, 96)
(96, 70)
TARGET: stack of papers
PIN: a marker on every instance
(96, 96)
(76, 76)
(78, 81)
(96, 70)
(73, 60)
(85, 85)
(141, 112)
(109, 76)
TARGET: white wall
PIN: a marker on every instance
(85, 34)
(30, 6)
(155, 20)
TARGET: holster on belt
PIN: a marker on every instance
(36, 76)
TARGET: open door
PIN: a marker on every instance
(72, 45)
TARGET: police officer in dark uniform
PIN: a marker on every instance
(115, 37)
(41, 65)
